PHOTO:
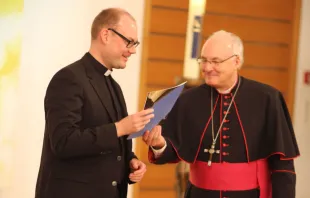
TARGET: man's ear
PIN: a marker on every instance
(238, 63)
(104, 35)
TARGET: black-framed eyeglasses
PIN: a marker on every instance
(130, 43)
(202, 60)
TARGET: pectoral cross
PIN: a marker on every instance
(211, 151)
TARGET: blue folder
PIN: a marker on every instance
(161, 108)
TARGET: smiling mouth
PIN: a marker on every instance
(210, 74)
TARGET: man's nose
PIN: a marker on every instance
(207, 66)
(132, 50)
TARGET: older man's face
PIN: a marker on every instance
(220, 64)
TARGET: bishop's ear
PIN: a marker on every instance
(238, 63)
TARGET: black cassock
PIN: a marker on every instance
(257, 128)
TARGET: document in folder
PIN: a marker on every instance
(162, 102)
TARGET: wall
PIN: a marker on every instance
(10, 55)
(267, 29)
(56, 33)
(162, 63)
(302, 104)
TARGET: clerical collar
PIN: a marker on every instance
(229, 90)
(99, 67)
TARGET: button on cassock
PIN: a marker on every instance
(114, 183)
(119, 158)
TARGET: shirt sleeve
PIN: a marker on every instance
(158, 152)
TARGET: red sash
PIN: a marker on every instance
(232, 176)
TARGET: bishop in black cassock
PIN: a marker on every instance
(239, 143)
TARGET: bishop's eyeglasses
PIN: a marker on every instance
(130, 43)
(203, 60)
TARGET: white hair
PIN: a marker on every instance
(237, 45)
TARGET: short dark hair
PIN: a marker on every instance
(107, 18)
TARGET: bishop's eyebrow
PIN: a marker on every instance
(213, 58)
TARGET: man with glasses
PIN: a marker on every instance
(86, 153)
(235, 133)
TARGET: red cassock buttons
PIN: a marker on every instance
(225, 112)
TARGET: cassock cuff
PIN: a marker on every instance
(158, 152)
(283, 171)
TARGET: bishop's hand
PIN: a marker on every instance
(154, 138)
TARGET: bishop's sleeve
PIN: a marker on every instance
(168, 156)
(283, 177)
(284, 149)
(172, 134)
